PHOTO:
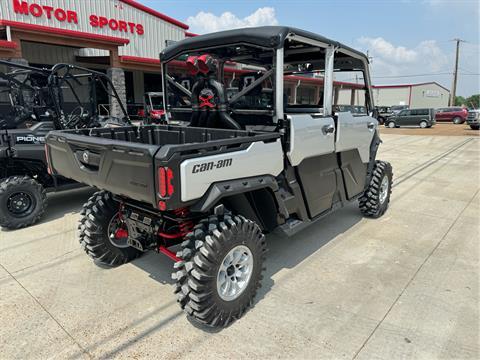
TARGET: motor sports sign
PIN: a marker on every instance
(59, 14)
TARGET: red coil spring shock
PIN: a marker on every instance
(185, 225)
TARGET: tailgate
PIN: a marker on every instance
(121, 167)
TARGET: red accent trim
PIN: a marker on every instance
(8, 44)
(65, 32)
(169, 253)
(190, 34)
(320, 81)
(121, 233)
(171, 236)
(136, 59)
(407, 85)
(206, 101)
(155, 13)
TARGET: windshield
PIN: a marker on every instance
(156, 102)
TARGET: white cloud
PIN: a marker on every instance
(392, 60)
(385, 49)
(205, 22)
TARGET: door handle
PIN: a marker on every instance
(328, 129)
(371, 126)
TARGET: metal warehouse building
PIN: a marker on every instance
(422, 95)
(120, 37)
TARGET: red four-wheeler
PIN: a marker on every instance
(153, 111)
(247, 165)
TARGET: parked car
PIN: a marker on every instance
(424, 118)
(397, 108)
(473, 119)
(354, 109)
(383, 113)
(457, 115)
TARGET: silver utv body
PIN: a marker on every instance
(330, 152)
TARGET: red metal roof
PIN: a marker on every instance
(155, 13)
(8, 44)
(408, 85)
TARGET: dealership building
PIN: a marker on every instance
(119, 37)
(124, 38)
(421, 95)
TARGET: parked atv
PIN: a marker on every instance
(216, 187)
(153, 111)
(40, 100)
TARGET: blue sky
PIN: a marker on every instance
(403, 37)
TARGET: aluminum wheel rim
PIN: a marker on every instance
(423, 124)
(384, 189)
(234, 273)
(391, 125)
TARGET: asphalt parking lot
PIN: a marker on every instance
(403, 286)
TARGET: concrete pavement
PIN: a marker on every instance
(403, 286)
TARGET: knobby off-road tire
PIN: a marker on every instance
(374, 201)
(94, 237)
(22, 202)
(203, 253)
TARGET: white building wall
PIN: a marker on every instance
(429, 96)
(344, 97)
(391, 96)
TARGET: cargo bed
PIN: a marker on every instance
(124, 160)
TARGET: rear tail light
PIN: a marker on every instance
(165, 182)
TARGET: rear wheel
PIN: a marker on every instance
(374, 201)
(391, 124)
(457, 120)
(423, 124)
(22, 202)
(221, 269)
(102, 232)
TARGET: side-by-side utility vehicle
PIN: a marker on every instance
(260, 160)
(33, 102)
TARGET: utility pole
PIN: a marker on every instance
(455, 72)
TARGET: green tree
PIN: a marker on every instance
(459, 101)
(473, 101)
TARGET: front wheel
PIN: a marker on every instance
(457, 120)
(221, 269)
(475, 126)
(391, 124)
(103, 234)
(22, 202)
(423, 124)
(374, 201)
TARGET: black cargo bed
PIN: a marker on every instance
(122, 160)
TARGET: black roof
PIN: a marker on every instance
(265, 36)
